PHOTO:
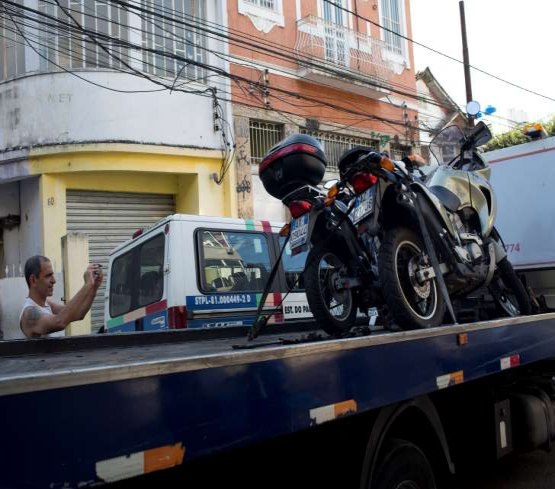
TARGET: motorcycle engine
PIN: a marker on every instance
(470, 249)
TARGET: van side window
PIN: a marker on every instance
(293, 267)
(151, 265)
(233, 261)
(120, 284)
(137, 277)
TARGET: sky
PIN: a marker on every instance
(507, 38)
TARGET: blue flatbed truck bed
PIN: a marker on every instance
(77, 412)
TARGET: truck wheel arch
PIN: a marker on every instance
(385, 424)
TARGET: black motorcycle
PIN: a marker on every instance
(383, 237)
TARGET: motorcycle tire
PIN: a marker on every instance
(509, 292)
(334, 310)
(412, 305)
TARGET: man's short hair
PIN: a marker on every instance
(33, 266)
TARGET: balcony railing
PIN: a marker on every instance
(329, 47)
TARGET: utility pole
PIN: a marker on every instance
(466, 61)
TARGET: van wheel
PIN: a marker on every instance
(404, 466)
(332, 305)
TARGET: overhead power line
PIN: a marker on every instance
(452, 58)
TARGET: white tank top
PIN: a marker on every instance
(46, 309)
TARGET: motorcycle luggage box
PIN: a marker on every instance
(294, 162)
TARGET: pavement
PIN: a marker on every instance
(534, 470)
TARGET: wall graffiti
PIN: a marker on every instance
(244, 186)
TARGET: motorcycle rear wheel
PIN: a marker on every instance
(509, 292)
(413, 305)
(333, 307)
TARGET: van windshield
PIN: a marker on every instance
(233, 261)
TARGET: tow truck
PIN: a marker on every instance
(84, 411)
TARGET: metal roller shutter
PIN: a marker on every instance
(109, 219)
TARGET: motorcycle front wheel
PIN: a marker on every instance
(332, 305)
(413, 304)
(508, 291)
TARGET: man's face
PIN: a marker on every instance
(44, 283)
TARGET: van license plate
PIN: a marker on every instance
(364, 205)
(299, 231)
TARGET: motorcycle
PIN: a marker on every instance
(386, 235)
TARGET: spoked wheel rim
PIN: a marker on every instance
(420, 297)
(339, 300)
(504, 297)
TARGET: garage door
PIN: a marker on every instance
(109, 219)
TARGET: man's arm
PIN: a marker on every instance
(55, 306)
(94, 274)
(35, 323)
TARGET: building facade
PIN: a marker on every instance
(340, 70)
(436, 109)
(110, 119)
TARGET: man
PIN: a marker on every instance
(41, 316)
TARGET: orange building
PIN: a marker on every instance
(322, 67)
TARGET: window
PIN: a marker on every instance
(263, 136)
(293, 267)
(335, 33)
(137, 277)
(270, 4)
(392, 20)
(336, 144)
(151, 274)
(233, 261)
(12, 44)
(264, 14)
(174, 36)
(398, 151)
(69, 48)
(121, 279)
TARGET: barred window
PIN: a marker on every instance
(174, 39)
(12, 44)
(336, 144)
(64, 43)
(263, 136)
(398, 151)
(271, 4)
(391, 19)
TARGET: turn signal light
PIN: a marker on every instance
(332, 194)
(387, 164)
(362, 181)
(299, 207)
(284, 231)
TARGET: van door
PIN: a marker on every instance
(137, 300)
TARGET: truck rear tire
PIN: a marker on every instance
(509, 292)
(404, 466)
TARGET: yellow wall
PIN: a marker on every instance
(184, 174)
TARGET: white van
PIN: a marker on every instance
(201, 272)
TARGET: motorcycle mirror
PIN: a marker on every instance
(330, 183)
(473, 108)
